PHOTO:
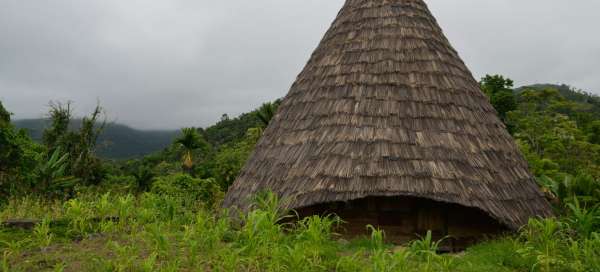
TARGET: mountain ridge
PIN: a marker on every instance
(118, 141)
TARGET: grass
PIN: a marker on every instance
(159, 233)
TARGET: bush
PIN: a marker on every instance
(19, 156)
(120, 184)
(187, 188)
(231, 158)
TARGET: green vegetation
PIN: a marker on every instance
(190, 140)
(499, 90)
(164, 232)
(116, 141)
(161, 212)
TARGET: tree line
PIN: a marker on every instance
(557, 130)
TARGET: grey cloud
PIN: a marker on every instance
(168, 64)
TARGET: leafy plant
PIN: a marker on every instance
(266, 112)
(52, 175)
(80, 145)
(188, 189)
(499, 90)
(42, 234)
(543, 243)
(426, 246)
(79, 215)
(377, 237)
(231, 158)
(143, 178)
(317, 229)
(581, 188)
(5, 261)
(159, 240)
(584, 221)
(149, 263)
(19, 156)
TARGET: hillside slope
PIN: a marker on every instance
(570, 93)
(117, 142)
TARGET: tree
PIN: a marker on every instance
(80, 144)
(143, 178)
(231, 158)
(224, 117)
(85, 164)
(492, 84)
(548, 99)
(190, 140)
(4, 114)
(552, 142)
(9, 149)
(499, 90)
(594, 132)
(266, 112)
(60, 117)
(232, 130)
(18, 158)
(503, 102)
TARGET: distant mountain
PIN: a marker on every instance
(116, 142)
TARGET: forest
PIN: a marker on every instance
(64, 207)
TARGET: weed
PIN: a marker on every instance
(125, 256)
(584, 221)
(42, 234)
(149, 263)
(5, 261)
(426, 249)
(426, 246)
(160, 233)
(377, 238)
(158, 238)
(78, 213)
(543, 244)
(59, 267)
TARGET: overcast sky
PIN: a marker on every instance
(174, 63)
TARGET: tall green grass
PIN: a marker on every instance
(151, 232)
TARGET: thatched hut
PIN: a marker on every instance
(386, 126)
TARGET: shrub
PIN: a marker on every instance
(19, 156)
(187, 188)
(231, 158)
(583, 221)
(118, 183)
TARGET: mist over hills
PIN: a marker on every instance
(118, 141)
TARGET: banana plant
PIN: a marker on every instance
(52, 174)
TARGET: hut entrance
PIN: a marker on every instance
(406, 218)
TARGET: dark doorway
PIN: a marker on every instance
(407, 218)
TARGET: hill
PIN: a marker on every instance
(570, 93)
(117, 142)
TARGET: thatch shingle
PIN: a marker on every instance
(386, 107)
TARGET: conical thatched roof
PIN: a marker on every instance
(386, 107)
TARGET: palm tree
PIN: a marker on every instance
(266, 112)
(143, 178)
(190, 140)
